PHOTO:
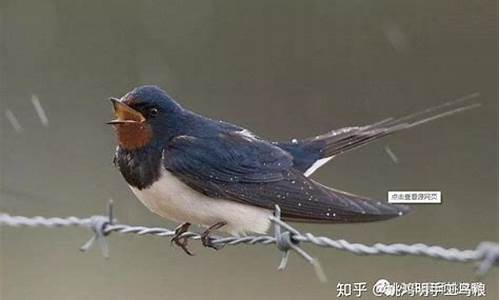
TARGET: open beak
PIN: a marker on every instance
(124, 113)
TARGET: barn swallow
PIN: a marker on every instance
(192, 169)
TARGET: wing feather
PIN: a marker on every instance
(255, 172)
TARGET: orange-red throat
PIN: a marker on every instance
(132, 130)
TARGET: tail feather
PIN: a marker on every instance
(308, 152)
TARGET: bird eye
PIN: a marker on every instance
(153, 112)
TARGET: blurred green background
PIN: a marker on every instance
(285, 69)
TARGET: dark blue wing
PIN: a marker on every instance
(228, 157)
(252, 171)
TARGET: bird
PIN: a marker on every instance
(192, 169)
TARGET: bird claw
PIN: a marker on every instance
(181, 241)
(207, 240)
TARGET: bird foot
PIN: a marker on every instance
(181, 241)
(207, 240)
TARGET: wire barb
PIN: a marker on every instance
(489, 253)
(99, 224)
(285, 242)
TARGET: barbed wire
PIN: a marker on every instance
(285, 238)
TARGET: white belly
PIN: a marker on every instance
(172, 199)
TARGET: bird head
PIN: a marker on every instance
(142, 115)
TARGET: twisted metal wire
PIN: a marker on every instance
(285, 238)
